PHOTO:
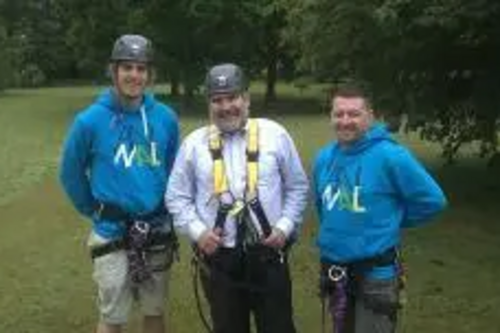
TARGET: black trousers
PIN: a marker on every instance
(255, 281)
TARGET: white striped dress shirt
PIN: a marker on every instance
(282, 184)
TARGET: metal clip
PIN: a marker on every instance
(237, 208)
(282, 256)
(142, 227)
(336, 273)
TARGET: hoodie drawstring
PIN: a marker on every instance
(145, 122)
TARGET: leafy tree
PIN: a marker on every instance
(5, 60)
(431, 59)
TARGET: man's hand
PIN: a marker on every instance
(210, 241)
(276, 239)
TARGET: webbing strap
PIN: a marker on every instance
(256, 207)
(252, 158)
(219, 172)
(220, 178)
(121, 244)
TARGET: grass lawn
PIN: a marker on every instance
(45, 283)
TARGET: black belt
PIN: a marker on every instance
(112, 212)
(121, 244)
(385, 258)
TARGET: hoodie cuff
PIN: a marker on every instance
(195, 229)
(285, 225)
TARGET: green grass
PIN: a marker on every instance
(45, 283)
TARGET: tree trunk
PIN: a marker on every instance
(271, 77)
(175, 85)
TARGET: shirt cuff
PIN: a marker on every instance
(195, 229)
(285, 225)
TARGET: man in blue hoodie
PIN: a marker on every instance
(114, 168)
(367, 189)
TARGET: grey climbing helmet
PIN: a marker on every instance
(132, 48)
(225, 79)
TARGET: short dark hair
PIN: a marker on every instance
(349, 88)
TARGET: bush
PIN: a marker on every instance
(30, 76)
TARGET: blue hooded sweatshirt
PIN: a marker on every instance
(366, 192)
(118, 156)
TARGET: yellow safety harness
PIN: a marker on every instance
(219, 172)
(221, 187)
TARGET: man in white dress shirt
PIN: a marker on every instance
(238, 190)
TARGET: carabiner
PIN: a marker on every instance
(142, 227)
(336, 273)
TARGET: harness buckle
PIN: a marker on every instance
(237, 208)
(138, 234)
(336, 273)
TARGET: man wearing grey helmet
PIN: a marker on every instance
(115, 165)
(238, 190)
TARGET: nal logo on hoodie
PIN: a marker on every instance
(343, 199)
(141, 155)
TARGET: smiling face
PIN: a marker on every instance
(350, 117)
(229, 112)
(130, 79)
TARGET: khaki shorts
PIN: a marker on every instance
(115, 292)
